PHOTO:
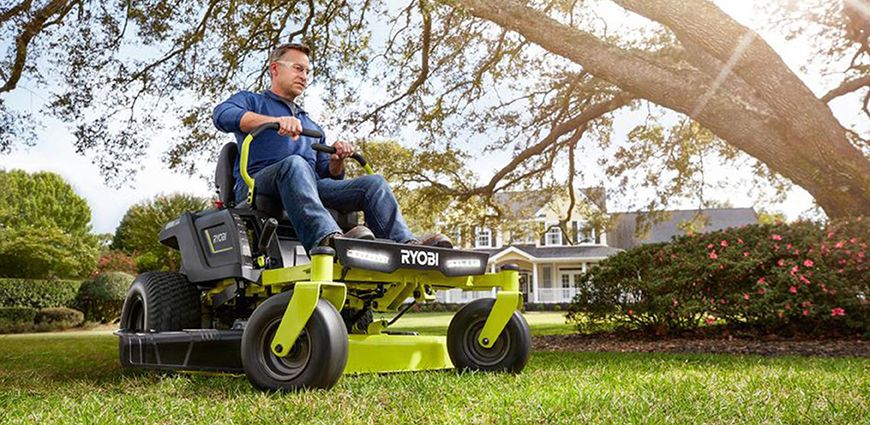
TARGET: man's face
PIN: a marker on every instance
(290, 74)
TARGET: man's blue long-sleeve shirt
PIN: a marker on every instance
(269, 147)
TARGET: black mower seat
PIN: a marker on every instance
(224, 180)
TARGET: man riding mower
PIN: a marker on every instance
(270, 286)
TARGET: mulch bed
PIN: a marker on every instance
(770, 346)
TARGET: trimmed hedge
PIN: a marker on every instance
(38, 293)
(102, 297)
(61, 317)
(17, 314)
(784, 278)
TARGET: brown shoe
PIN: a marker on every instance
(438, 239)
(358, 232)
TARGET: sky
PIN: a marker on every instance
(55, 152)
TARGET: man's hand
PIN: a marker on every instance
(342, 150)
(289, 126)
(336, 160)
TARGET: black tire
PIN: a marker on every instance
(316, 360)
(161, 302)
(510, 351)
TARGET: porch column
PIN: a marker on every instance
(534, 283)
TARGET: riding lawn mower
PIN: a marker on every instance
(249, 299)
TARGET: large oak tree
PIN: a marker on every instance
(537, 79)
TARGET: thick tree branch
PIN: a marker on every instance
(30, 30)
(847, 87)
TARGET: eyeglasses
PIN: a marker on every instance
(296, 67)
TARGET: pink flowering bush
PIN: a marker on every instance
(785, 278)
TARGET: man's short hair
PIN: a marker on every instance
(279, 51)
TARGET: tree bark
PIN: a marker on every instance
(762, 109)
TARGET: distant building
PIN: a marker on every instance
(551, 260)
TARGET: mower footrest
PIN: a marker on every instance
(196, 349)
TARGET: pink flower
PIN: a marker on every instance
(745, 254)
(806, 312)
(788, 246)
(710, 246)
(781, 262)
(808, 263)
(630, 312)
(792, 289)
(713, 255)
(776, 237)
(804, 280)
(746, 297)
(676, 303)
(724, 243)
(838, 312)
(794, 270)
(761, 281)
(839, 244)
(853, 240)
(710, 320)
(740, 241)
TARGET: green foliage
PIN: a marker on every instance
(43, 227)
(46, 252)
(14, 315)
(59, 317)
(102, 297)
(799, 277)
(138, 232)
(41, 200)
(36, 293)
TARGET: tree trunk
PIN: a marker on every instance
(761, 108)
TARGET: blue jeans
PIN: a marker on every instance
(305, 198)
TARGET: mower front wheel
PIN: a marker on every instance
(316, 360)
(510, 351)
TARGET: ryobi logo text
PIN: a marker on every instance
(419, 258)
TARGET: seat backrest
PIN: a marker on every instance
(223, 174)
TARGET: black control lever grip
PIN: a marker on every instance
(320, 147)
(269, 229)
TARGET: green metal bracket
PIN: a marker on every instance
(304, 301)
(508, 300)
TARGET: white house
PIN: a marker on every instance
(551, 259)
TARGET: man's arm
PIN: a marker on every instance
(235, 114)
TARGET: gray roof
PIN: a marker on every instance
(622, 233)
(570, 251)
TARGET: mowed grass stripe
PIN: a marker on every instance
(75, 378)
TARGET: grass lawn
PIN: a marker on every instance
(75, 378)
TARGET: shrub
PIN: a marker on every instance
(46, 252)
(800, 277)
(115, 261)
(38, 293)
(102, 297)
(56, 318)
(17, 314)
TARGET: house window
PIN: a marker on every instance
(483, 237)
(554, 236)
(456, 236)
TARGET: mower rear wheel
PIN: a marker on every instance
(510, 351)
(316, 360)
(161, 302)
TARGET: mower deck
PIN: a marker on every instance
(220, 351)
